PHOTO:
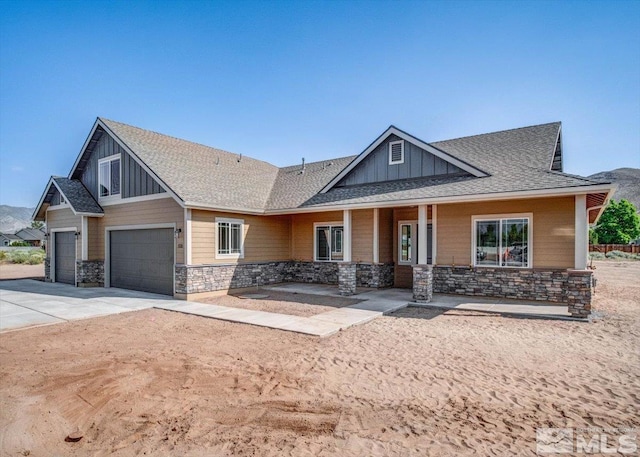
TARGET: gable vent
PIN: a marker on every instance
(396, 152)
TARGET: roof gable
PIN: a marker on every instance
(77, 196)
(445, 160)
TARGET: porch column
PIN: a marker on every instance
(422, 235)
(84, 238)
(581, 233)
(346, 242)
(187, 236)
(434, 233)
(376, 235)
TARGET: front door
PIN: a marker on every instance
(408, 251)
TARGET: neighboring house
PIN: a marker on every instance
(489, 214)
(8, 238)
(32, 236)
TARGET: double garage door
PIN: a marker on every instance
(142, 260)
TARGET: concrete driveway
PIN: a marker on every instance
(27, 303)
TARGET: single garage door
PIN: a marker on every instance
(142, 260)
(65, 257)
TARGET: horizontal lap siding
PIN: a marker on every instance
(302, 232)
(162, 211)
(63, 218)
(362, 235)
(385, 235)
(553, 229)
(266, 238)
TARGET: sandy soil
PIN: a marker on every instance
(294, 304)
(419, 382)
(19, 271)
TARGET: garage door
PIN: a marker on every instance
(142, 260)
(65, 257)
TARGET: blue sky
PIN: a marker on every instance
(280, 81)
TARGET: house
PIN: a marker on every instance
(32, 236)
(489, 215)
(7, 239)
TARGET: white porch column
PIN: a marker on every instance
(434, 233)
(422, 235)
(84, 237)
(187, 236)
(346, 242)
(376, 235)
(581, 233)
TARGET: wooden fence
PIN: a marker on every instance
(604, 248)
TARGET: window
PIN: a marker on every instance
(62, 200)
(396, 152)
(406, 248)
(329, 242)
(502, 242)
(109, 176)
(230, 238)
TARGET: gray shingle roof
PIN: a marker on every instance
(77, 196)
(198, 174)
(516, 160)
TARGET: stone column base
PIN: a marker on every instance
(422, 283)
(579, 288)
(347, 278)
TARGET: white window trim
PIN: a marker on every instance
(396, 162)
(493, 217)
(315, 239)
(242, 233)
(414, 236)
(113, 197)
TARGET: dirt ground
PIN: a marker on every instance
(294, 304)
(418, 382)
(19, 271)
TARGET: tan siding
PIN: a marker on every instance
(362, 235)
(162, 211)
(63, 218)
(385, 235)
(302, 228)
(553, 229)
(266, 238)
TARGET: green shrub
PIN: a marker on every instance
(597, 256)
(35, 260)
(19, 256)
(620, 255)
(3, 255)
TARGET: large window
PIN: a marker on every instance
(230, 238)
(109, 176)
(329, 240)
(502, 242)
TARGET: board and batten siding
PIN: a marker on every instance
(134, 180)
(302, 232)
(417, 163)
(553, 229)
(64, 218)
(266, 238)
(162, 211)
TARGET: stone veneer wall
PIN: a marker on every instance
(563, 286)
(208, 278)
(422, 283)
(375, 275)
(347, 278)
(90, 273)
(47, 269)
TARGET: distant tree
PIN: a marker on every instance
(37, 224)
(619, 223)
(593, 237)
